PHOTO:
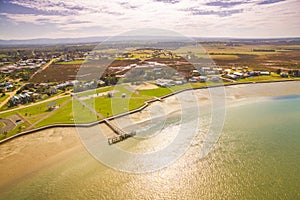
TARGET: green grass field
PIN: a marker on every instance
(116, 105)
(220, 51)
(70, 110)
(225, 57)
(17, 129)
(3, 98)
(64, 114)
(91, 92)
(73, 62)
(261, 78)
(4, 56)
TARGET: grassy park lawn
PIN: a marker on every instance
(2, 98)
(59, 115)
(262, 78)
(117, 104)
(43, 98)
(17, 129)
(35, 110)
(3, 55)
(92, 92)
(73, 62)
(162, 91)
(158, 92)
(71, 111)
(64, 114)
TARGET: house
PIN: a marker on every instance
(246, 75)
(100, 83)
(164, 82)
(193, 80)
(253, 73)
(232, 76)
(218, 69)
(24, 98)
(227, 71)
(205, 68)
(15, 100)
(296, 73)
(203, 79)
(6, 86)
(284, 75)
(27, 96)
(110, 95)
(239, 74)
(36, 96)
(195, 71)
(264, 73)
(178, 82)
(51, 90)
(51, 106)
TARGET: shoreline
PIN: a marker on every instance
(53, 148)
(146, 104)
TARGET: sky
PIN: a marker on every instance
(28, 19)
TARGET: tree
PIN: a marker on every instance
(5, 134)
(278, 71)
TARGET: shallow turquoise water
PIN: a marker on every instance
(257, 157)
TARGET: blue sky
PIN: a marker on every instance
(26, 19)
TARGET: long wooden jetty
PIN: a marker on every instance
(121, 134)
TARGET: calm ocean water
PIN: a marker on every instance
(256, 157)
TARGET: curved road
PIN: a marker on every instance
(33, 104)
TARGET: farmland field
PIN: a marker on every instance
(257, 56)
(65, 71)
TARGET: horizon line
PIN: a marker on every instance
(174, 36)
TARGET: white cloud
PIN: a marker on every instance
(237, 18)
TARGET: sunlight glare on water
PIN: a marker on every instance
(257, 157)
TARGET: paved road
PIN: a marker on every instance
(33, 104)
(227, 79)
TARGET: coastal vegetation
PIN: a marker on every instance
(48, 77)
(102, 105)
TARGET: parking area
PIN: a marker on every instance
(7, 125)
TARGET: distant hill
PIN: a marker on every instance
(48, 41)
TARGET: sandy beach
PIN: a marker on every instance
(24, 156)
